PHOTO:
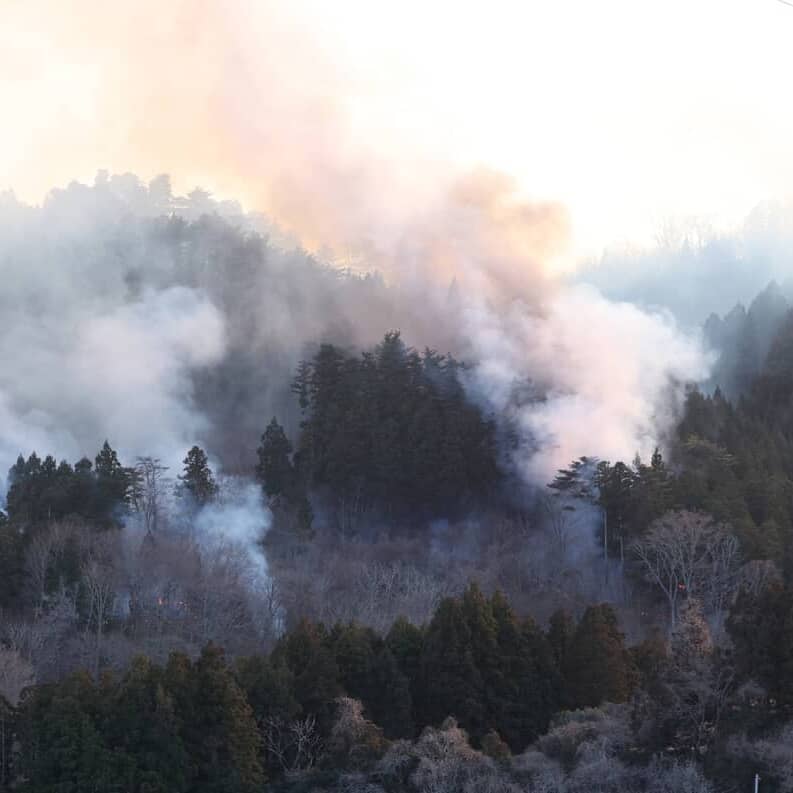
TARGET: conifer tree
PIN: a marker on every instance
(561, 630)
(113, 482)
(451, 684)
(390, 701)
(405, 642)
(223, 740)
(354, 649)
(598, 667)
(197, 479)
(522, 691)
(275, 470)
(305, 653)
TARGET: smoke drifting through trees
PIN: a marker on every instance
(160, 334)
(296, 153)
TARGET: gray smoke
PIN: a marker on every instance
(694, 270)
(127, 325)
(236, 522)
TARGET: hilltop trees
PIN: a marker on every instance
(389, 431)
(385, 435)
(44, 490)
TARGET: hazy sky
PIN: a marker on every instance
(626, 111)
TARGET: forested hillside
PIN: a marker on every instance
(351, 578)
(396, 397)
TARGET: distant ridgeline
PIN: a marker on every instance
(735, 444)
(745, 338)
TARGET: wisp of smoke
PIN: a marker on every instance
(236, 522)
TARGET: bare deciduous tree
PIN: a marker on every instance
(757, 575)
(100, 578)
(561, 518)
(294, 745)
(148, 493)
(38, 560)
(16, 674)
(688, 553)
(698, 686)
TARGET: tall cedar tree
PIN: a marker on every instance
(274, 470)
(305, 653)
(197, 479)
(598, 667)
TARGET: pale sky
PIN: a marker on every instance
(626, 111)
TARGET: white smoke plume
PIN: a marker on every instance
(240, 93)
(587, 377)
(236, 522)
(75, 373)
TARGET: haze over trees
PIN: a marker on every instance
(343, 581)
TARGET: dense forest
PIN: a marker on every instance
(346, 583)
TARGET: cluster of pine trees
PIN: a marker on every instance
(42, 490)
(737, 457)
(386, 434)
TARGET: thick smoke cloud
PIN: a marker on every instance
(72, 378)
(156, 348)
(586, 377)
(102, 348)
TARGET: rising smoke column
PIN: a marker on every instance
(244, 95)
(588, 377)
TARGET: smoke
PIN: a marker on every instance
(71, 378)
(246, 100)
(236, 522)
(695, 270)
(587, 377)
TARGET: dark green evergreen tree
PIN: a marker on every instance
(112, 482)
(450, 682)
(598, 667)
(523, 690)
(390, 703)
(275, 470)
(305, 653)
(197, 479)
(280, 480)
